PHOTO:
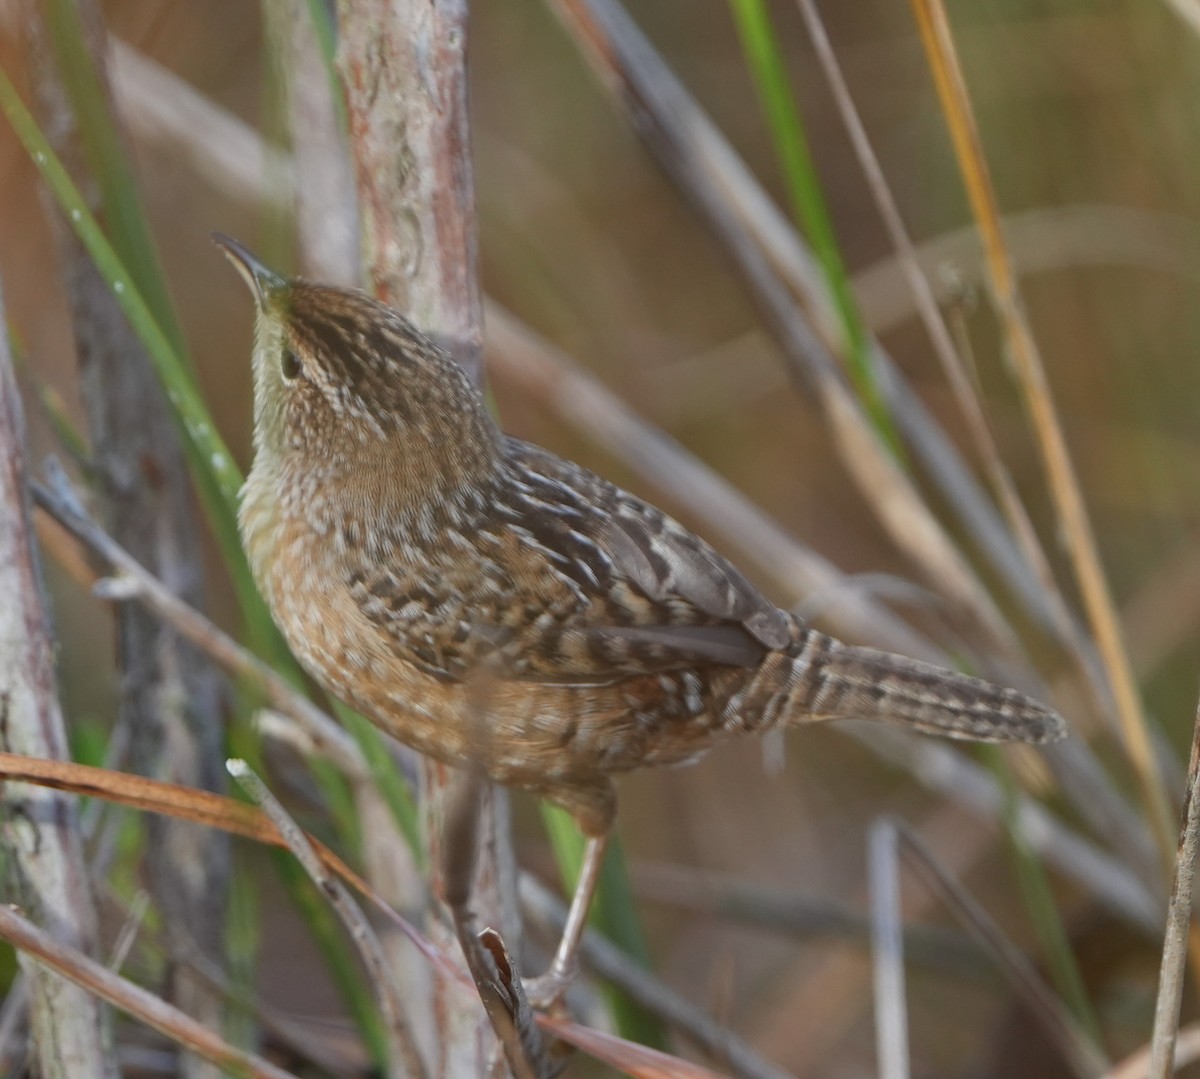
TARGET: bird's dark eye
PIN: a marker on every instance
(290, 364)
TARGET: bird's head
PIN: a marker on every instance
(346, 384)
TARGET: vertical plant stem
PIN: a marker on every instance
(887, 952)
(1179, 917)
(404, 1060)
(44, 861)
(403, 73)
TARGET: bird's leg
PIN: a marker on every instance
(547, 990)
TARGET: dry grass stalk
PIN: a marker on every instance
(887, 953)
(1064, 486)
(935, 325)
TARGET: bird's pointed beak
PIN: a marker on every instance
(261, 279)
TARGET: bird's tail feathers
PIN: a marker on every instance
(819, 678)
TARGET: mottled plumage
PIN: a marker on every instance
(488, 602)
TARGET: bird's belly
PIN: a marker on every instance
(522, 733)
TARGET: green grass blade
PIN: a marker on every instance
(765, 59)
(243, 942)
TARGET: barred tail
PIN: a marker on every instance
(820, 678)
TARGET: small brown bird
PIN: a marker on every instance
(405, 544)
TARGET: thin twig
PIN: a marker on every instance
(404, 1059)
(99, 981)
(1179, 918)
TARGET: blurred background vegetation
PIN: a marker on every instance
(1090, 117)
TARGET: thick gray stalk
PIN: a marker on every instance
(403, 69)
(40, 830)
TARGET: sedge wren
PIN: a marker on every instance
(404, 543)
